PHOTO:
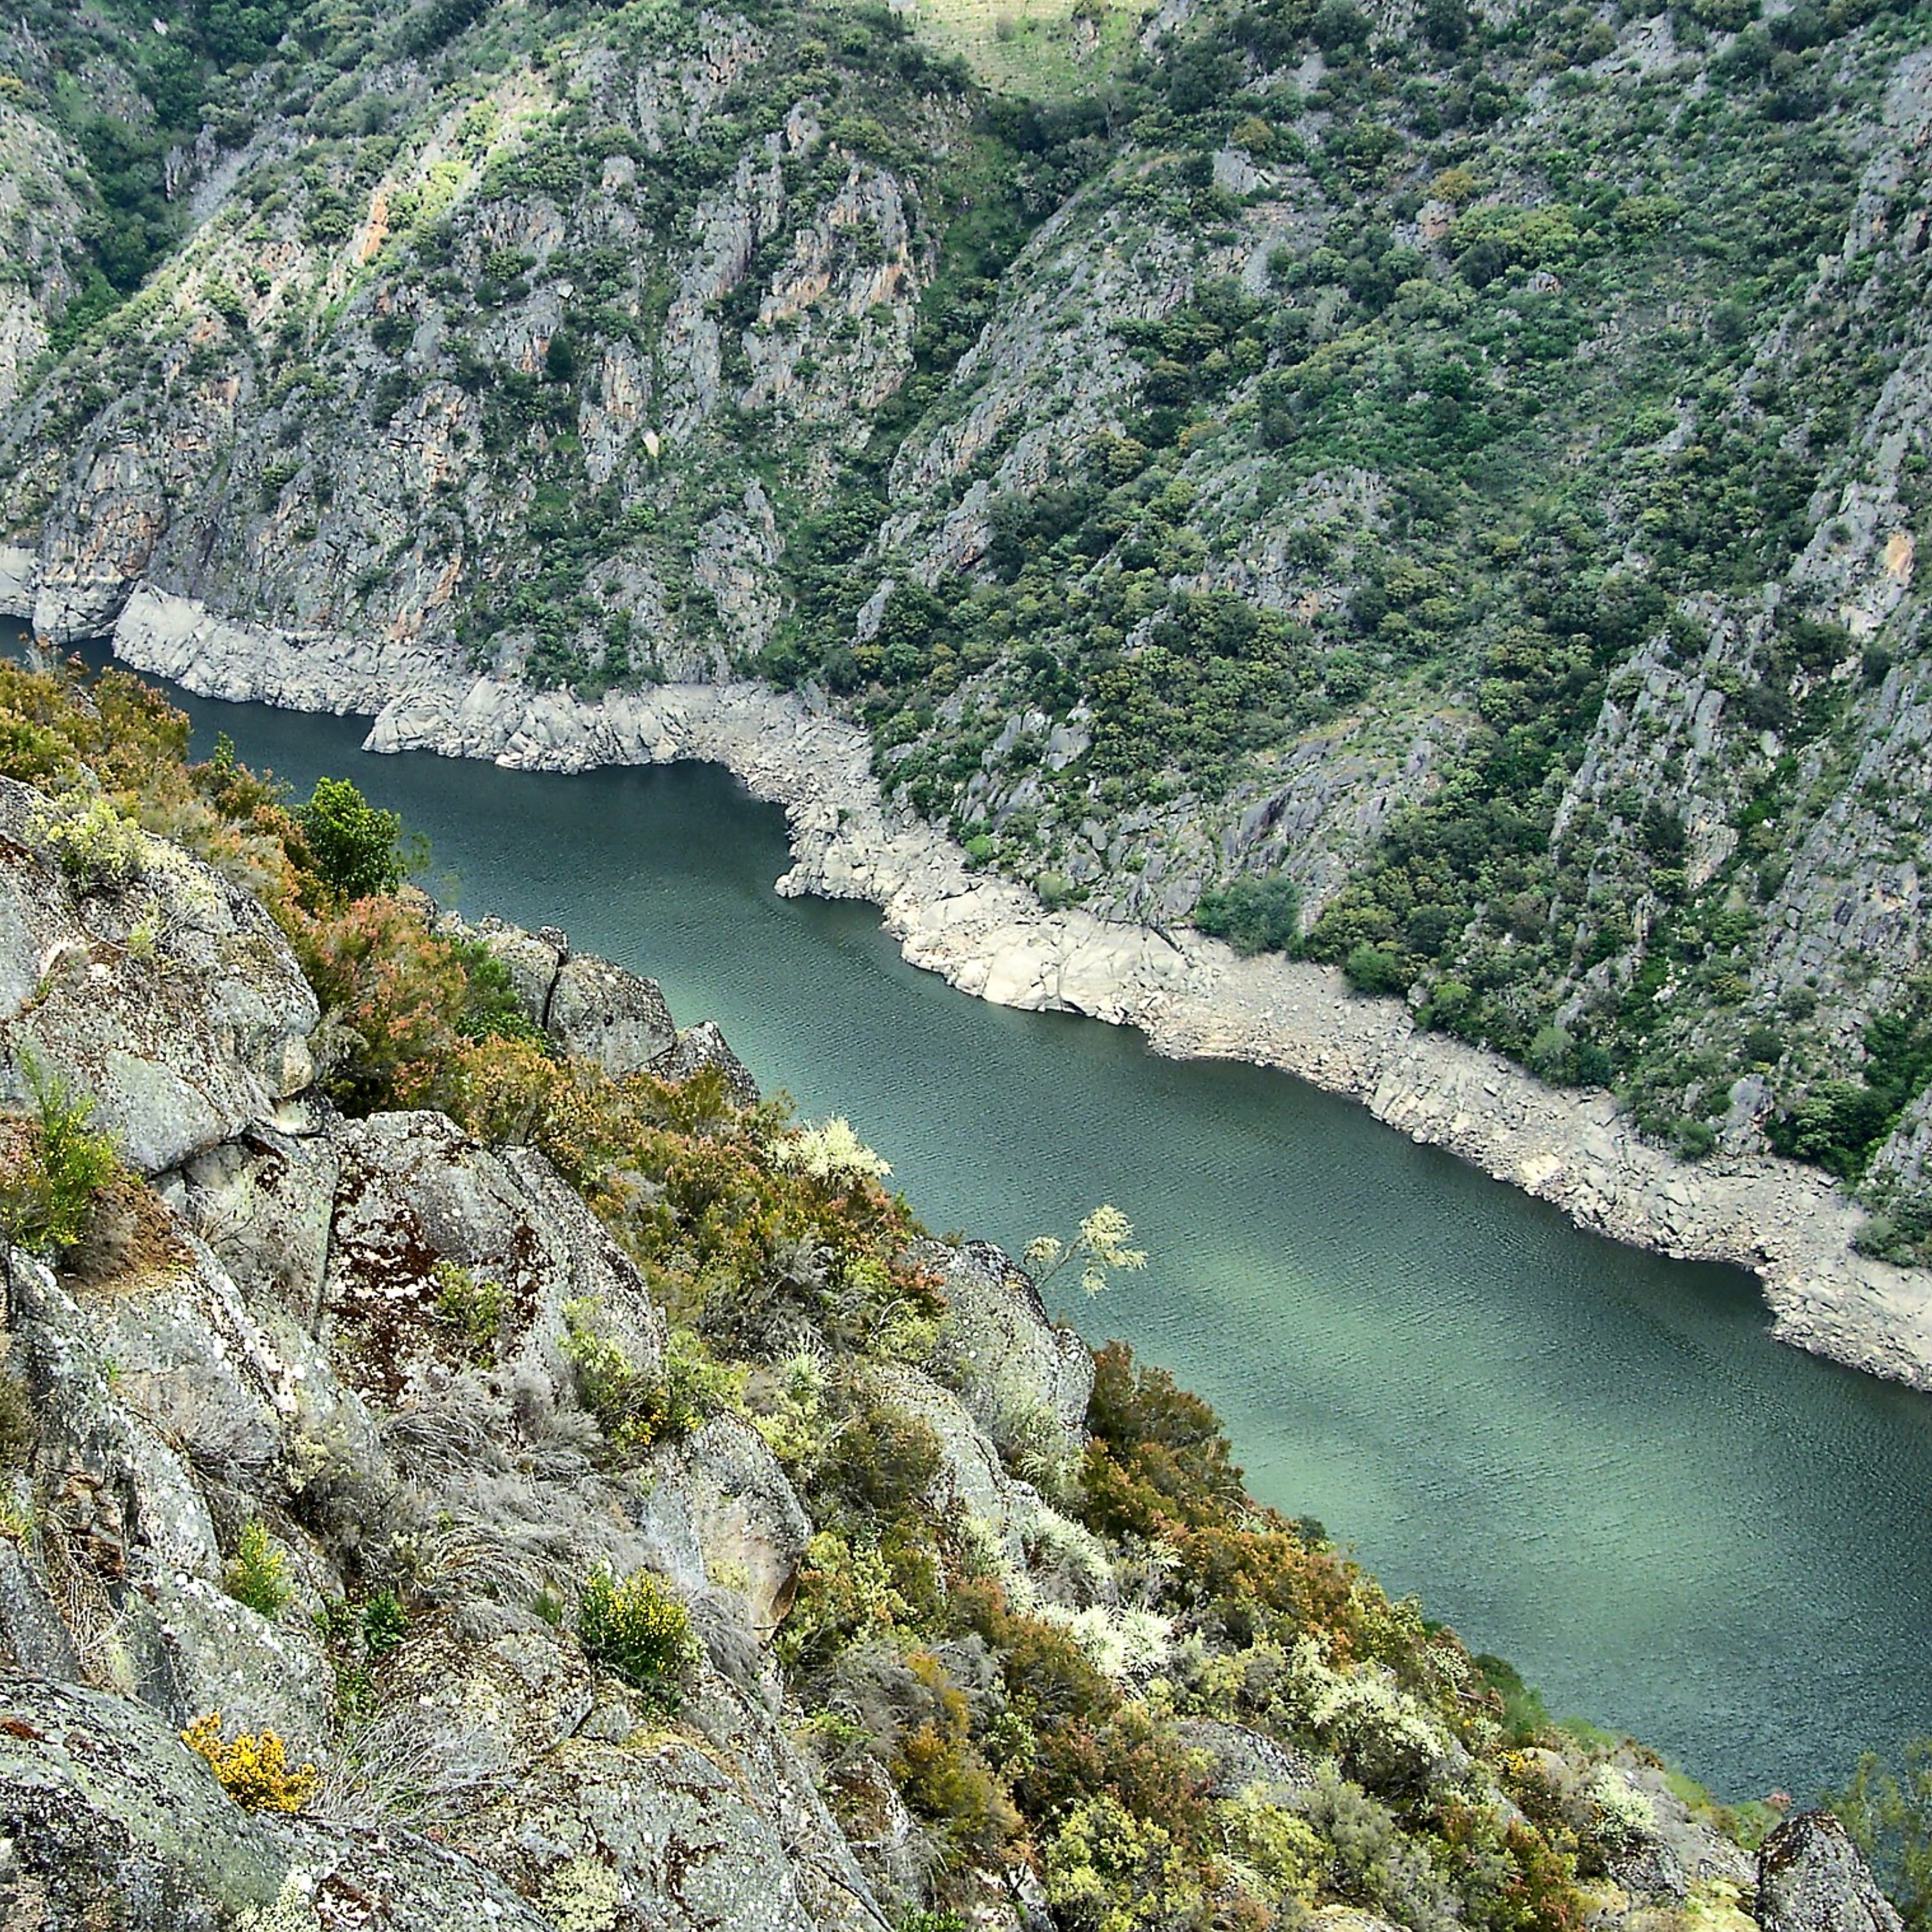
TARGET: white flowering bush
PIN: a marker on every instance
(830, 1151)
(1067, 1558)
(1623, 1814)
(1128, 1646)
(1385, 1738)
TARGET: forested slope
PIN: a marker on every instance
(1441, 488)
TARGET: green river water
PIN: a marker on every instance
(1587, 1459)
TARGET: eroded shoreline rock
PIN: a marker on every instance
(1192, 996)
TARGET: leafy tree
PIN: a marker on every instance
(356, 847)
(1253, 915)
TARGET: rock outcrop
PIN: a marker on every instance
(164, 992)
(108, 1820)
(286, 1340)
(1811, 1879)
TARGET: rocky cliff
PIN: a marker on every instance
(1453, 476)
(614, 1512)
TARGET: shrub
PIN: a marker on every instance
(98, 849)
(1375, 969)
(1253, 915)
(1889, 1813)
(474, 1308)
(635, 1407)
(253, 1767)
(355, 846)
(635, 1627)
(52, 1166)
(385, 1624)
(257, 1574)
(395, 993)
(1100, 1245)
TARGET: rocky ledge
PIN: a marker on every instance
(1191, 996)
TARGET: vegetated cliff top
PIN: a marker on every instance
(460, 1452)
(1441, 487)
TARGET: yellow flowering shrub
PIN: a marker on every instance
(252, 1767)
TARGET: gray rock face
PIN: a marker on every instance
(181, 1049)
(702, 1046)
(263, 1205)
(533, 960)
(599, 1012)
(1811, 1879)
(594, 1010)
(34, 1641)
(749, 1525)
(1243, 1759)
(416, 1192)
(107, 1819)
(1015, 1370)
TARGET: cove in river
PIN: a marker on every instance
(1591, 1460)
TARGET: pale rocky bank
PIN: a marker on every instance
(1191, 996)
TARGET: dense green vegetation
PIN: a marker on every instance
(1375, 491)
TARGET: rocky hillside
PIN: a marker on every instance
(1439, 488)
(462, 1455)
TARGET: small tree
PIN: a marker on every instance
(355, 846)
(1888, 1814)
(1100, 1245)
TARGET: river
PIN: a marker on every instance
(1588, 1459)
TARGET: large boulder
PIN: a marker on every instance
(583, 1794)
(600, 1011)
(702, 1046)
(972, 1482)
(153, 984)
(1811, 1879)
(721, 1515)
(1026, 1381)
(262, 1203)
(417, 1199)
(532, 959)
(151, 1400)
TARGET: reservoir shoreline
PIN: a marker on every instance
(1191, 997)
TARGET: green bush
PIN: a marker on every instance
(257, 1574)
(385, 1624)
(635, 1627)
(474, 1308)
(636, 1407)
(355, 846)
(52, 1167)
(98, 848)
(1253, 915)
(1375, 969)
